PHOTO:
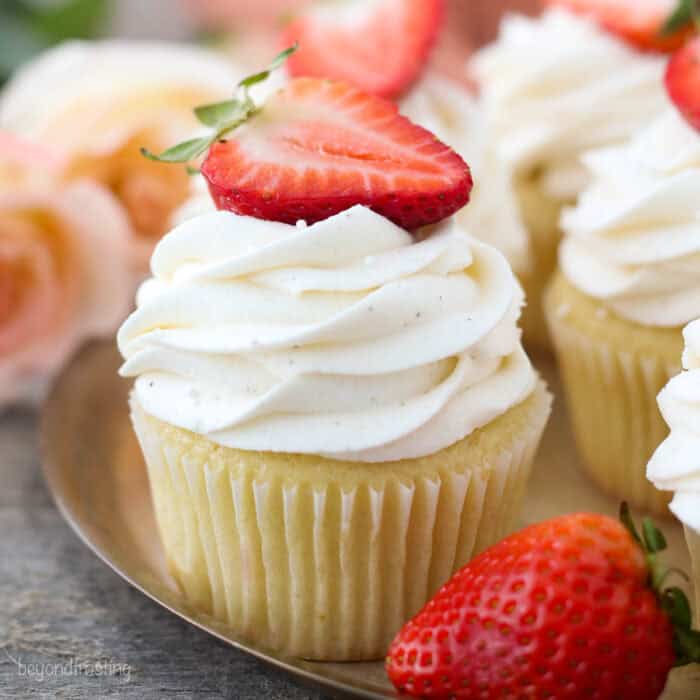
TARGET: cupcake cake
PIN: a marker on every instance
(675, 466)
(628, 281)
(335, 414)
(554, 87)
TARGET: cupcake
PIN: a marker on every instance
(675, 466)
(335, 414)
(629, 280)
(554, 87)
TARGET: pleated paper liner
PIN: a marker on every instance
(322, 559)
(612, 372)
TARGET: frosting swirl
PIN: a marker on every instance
(676, 464)
(633, 241)
(456, 117)
(543, 82)
(345, 339)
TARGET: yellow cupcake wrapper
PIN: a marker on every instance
(328, 568)
(612, 399)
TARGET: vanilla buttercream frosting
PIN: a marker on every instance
(633, 241)
(450, 112)
(676, 464)
(345, 339)
(558, 85)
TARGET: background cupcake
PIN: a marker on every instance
(629, 281)
(554, 87)
(676, 464)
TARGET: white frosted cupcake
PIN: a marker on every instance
(676, 464)
(629, 281)
(554, 87)
(334, 419)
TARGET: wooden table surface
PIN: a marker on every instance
(71, 628)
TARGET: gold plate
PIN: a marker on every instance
(94, 469)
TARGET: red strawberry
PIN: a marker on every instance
(319, 147)
(378, 46)
(639, 22)
(683, 81)
(563, 610)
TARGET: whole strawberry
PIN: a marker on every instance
(568, 610)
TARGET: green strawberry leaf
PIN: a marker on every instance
(686, 12)
(653, 537)
(628, 522)
(181, 153)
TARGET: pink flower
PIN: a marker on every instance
(99, 102)
(64, 266)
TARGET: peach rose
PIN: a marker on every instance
(64, 266)
(99, 102)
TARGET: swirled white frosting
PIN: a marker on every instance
(450, 112)
(676, 464)
(633, 241)
(558, 85)
(345, 339)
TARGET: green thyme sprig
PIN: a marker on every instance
(221, 117)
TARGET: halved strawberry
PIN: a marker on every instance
(683, 81)
(639, 22)
(318, 147)
(379, 46)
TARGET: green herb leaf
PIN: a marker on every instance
(221, 117)
(277, 62)
(181, 153)
(653, 537)
(218, 114)
(682, 16)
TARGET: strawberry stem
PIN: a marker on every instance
(221, 117)
(674, 601)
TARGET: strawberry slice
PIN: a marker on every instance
(318, 147)
(379, 46)
(641, 23)
(683, 82)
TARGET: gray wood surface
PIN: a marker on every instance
(70, 628)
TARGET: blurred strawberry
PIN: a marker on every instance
(683, 82)
(649, 25)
